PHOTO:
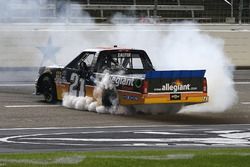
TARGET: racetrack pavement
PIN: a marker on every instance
(23, 116)
(123, 137)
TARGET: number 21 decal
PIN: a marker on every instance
(77, 88)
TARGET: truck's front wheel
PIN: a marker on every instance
(49, 90)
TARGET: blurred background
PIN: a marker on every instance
(35, 33)
(101, 11)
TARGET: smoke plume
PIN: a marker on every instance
(191, 49)
(93, 104)
(182, 47)
(185, 47)
(172, 47)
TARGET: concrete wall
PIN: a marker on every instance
(237, 46)
(19, 44)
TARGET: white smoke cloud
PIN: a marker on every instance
(94, 104)
(185, 47)
(191, 49)
(180, 47)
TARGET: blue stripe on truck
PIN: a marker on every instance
(176, 74)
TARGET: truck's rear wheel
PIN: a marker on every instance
(49, 90)
(109, 98)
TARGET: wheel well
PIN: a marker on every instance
(39, 83)
(107, 94)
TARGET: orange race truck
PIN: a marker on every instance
(131, 72)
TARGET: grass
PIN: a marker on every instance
(173, 158)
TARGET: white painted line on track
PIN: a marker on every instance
(30, 106)
(157, 133)
(93, 127)
(242, 83)
(116, 30)
(208, 140)
(245, 103)
(111, 127)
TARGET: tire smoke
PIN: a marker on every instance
(186, 47)
(93, 104)
(192, 49)
(173, 47)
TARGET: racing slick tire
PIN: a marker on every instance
(109, 98)
(49, 90)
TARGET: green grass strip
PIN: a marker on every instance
(234, 157)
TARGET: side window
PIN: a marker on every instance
(137, 63)
(89, 59)
(102, 63)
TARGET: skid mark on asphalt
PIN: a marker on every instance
(30, 106)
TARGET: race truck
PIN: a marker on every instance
(135, 80)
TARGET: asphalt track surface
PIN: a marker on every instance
(28, 124)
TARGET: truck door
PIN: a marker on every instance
(77, 74)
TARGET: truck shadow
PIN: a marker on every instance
(196, 118)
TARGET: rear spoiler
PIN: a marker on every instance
(176, 74)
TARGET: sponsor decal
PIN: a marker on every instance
(128, 88)
(122, 81)
(138, 83)
(118, 80)
(130, 97)
(123, 55)
(175, 97)
(176, 86)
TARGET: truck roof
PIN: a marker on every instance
(99, 49)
